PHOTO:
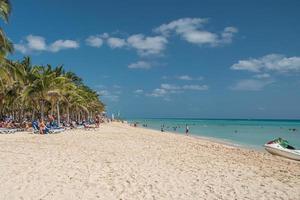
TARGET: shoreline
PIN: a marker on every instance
(118, 161)
(225, 142)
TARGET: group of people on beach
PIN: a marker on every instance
(52, 123)
(44, 124)
(9, 123)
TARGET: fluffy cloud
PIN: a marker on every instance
(166, 89)
(21, 48)
(184, 87)
(185, 78)
(192, 30)
(169, 87)
(140, 65)
(195, 87)
(147, 45)
(189, 78)
(98, 40)
(63, 44)
(181, 26)
(271, 62)
(158, 92)
(108, 95)
(114, 42)
(94, 41)
(262, 76)
(138, 91)
(228, 34)
(37, 43)
(251, 84)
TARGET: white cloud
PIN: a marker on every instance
(262, 76)
(166, 89)
(140, 65)
(63, 44)
(192, 30)
(181, 26)
(37, 43)
(200, 37)
(104, 35)
(147, 45)
(189, 78)
(270, 62)
(98, 40)
(195, 87)
(228, 34)
(251, 84)
(158, 92)
(169, 87)
(107, 95)
(94, 41)
(21, 48)
(185, 78)
(114, 42)
(138, 91)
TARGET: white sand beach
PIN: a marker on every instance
(117, 161)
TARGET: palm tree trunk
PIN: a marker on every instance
(58, 115)
(42, 109)
(68, 114)
(33, 114)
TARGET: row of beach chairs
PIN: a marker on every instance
(49, 130)
(10, 130)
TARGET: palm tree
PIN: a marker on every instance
(25, 88)
(5, 9)
(5, 44)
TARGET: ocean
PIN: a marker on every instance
(239, 132)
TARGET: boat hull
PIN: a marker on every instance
(283, 153)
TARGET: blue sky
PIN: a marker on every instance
(208, 59)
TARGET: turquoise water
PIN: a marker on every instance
(248, 133)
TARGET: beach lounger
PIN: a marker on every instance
(56, 130)
(49, 130)
(9, 130)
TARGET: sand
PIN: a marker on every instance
(117, 161)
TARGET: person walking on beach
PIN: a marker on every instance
(186, 129)
(97, 121)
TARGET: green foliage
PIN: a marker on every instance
(41, 88)
(5, 44)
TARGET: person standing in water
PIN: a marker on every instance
(162, 128)
(186, 129)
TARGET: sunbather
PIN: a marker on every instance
(42, 127)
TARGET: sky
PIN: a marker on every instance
(171, 58)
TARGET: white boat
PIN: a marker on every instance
(281, 147)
